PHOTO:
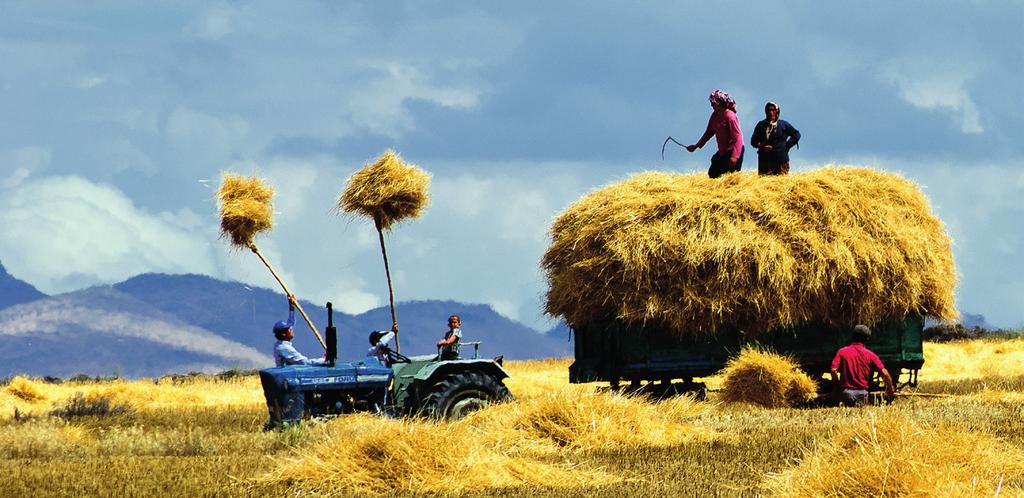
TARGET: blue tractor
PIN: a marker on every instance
(410, 385)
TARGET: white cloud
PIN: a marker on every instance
(380, 106)
(91, 81)
(62, 232)
(935, 85)
(214, 24)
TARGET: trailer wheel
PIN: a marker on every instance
(458, 394)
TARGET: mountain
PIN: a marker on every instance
(423, 323)
(246, 314)
(102, 331)
(155, 324)
(14, 291)
(971, 320)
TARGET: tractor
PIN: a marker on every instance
(410, 385)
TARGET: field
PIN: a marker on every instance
(961, 432)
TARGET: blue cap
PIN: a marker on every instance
(281, 326)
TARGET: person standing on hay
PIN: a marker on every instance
(773, 137)
(450, 344)
(284, 352)
(725, 127)
(851, 370)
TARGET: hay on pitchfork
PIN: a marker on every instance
(387, 191)
(767, 379)
(837, 245)
(245, 209)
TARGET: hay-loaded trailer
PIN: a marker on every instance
(666, 276)
(615, 352)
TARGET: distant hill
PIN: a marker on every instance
(154, 324)
(102, 331)
(246, 314)
(14, 291)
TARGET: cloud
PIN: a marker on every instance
(61, 233)
(934, 85)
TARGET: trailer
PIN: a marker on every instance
(616, 352)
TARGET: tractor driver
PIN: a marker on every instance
(851, 370)
(450, 344)
(284, 352)
(379, 340)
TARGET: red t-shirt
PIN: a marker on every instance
(854, 364)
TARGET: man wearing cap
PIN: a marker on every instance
(852, 367)
(284, 352)
(379, 341)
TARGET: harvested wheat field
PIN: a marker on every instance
(839, 245)
(960, 433)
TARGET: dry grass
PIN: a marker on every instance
(34, 397)
(973, 359)
(387, 191)
(245, 208)
(766, 379)
(201, 437)
(26, 390)
(837, 244)
(892, 455)
(518, 444)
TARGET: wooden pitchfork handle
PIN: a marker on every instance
(309, 322)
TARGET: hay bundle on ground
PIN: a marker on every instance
(895, 456)
(840, 245)
(25, 390)
(245, 209)
(387, 191)
(767, 379)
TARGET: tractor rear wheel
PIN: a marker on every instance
(458, 394)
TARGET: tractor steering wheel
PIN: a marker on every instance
(396, 357)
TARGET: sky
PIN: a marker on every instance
(119, 119)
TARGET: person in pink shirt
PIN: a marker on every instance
(852, 367)
(725, 127)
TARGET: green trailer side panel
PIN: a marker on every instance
(615, 351)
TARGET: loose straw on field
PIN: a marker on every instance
(894, 455)
(839, 245)
(245, 211)
(520, 444)
(387, 191)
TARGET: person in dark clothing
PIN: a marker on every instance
(773, 138)
(851, 370)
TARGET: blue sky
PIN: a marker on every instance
(121, 116)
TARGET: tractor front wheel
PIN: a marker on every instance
(458, 394)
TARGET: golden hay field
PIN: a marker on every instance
(961, 433)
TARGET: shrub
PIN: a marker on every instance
(81, 406)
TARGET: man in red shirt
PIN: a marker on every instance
(851, 370)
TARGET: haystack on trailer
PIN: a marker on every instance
(664, 276)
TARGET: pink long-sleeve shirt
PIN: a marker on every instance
(726, 128)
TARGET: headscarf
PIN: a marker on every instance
(722, 99)
(770, 129)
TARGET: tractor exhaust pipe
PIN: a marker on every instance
(332, 337)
